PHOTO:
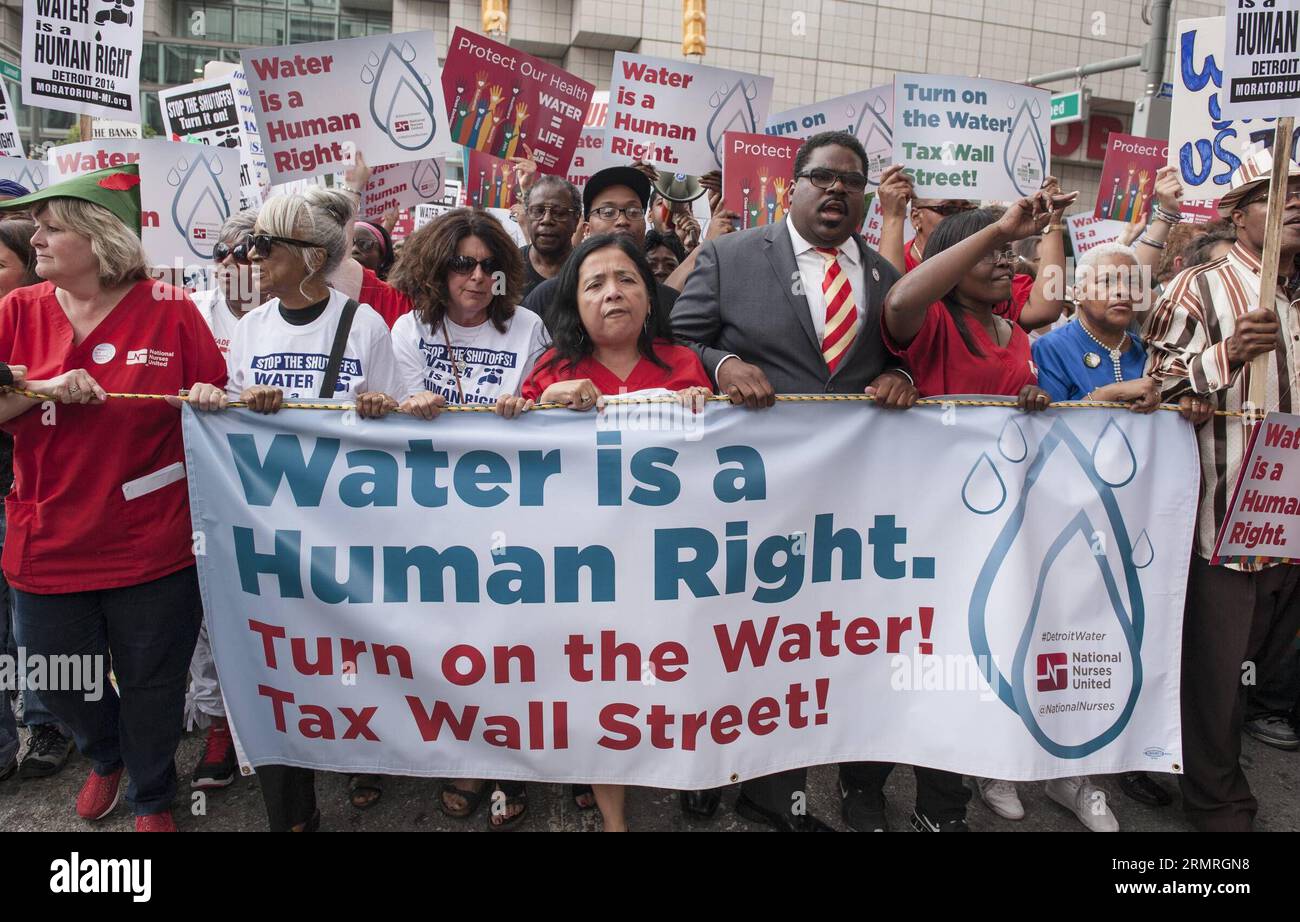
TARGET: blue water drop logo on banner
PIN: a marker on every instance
(1105, 542)
(983, 491)
(400, 101)
(1025, 156)
(1112, 456)
(1011, 441)
(733, 110)
(199, 204)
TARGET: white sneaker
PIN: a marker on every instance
(1085, 800)
(1001, 797)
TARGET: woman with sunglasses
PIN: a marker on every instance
(941, 317)
(232, 297)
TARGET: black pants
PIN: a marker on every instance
(940, 795)
(289, 794)
(1232, 618)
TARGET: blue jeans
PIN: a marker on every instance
(148, 633)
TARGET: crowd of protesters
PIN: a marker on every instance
(617, 290)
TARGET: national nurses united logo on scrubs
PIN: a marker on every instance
(400, 101)
(1076, 668)
(199, 204)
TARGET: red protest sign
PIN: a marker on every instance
(506, 103)
(757, 176)
(1128, 177)
(489, 181)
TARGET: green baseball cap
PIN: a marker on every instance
(117, 189)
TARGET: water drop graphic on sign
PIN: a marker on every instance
(983, 491)
(400, 102)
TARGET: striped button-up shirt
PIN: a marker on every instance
(1188, 351)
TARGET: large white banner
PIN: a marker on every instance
(188, 191)
(316, 104)
(83, 57)
(659, 598)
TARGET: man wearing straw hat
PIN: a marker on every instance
(1203, 335)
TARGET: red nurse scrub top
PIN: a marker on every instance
(940, 363)
(684, 370)
(1022, 285)
(99, 498)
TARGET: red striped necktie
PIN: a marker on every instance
(841, 311)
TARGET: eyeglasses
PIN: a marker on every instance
(610, 213)
(465, 265)
(239, 252)
(1004, 255)
(948, 210)
(559, 212)
(824, 179)
(261, 243)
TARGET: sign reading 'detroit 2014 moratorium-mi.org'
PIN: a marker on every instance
(1261, 59)
(317, 104)
(83, 56)
(673, 114)
(966, 138)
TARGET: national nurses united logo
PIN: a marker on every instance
(871, 125)
(199, 204)
(1025, 156)
(1059, 594)
(733, 110)
(400, 101)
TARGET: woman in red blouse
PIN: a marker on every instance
(606, 339)
(99, 543)
(940, 317)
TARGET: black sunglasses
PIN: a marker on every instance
(465, 265)
(239, 251)
(261, 244)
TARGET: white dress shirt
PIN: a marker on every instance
(812, 271)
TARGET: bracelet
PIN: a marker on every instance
(1054, 227)
(1171, 218)
(1154, 244)
(356, 192)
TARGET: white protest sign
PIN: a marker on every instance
(654, 597)
(867, 115)
(218, 113)
(1261, 59)
(11, 141)
(967, 138)
(401, 185)
(1205, 145)
(317, 103)
(508, 221)
(32, 175)
(79, 57)
(102, 128)
(1263, 520)
(423, 214)
(1087, 232)
(187, 192)
(673, 114)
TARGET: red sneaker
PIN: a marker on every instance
(99, 795)
(156, 822)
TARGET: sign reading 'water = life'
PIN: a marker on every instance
(967, 138)
(1261, 59)
(673, 114)
(189, 191)
(316, 104)
(83, 56)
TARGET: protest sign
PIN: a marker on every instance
(76, 59)
(1263, 520)
(103, 128)
(867, 115)
(757, 176)
(189, 191)
(32, 175)
(489, 181)
(1261, 59)
(1088, 231)
(423, 214)
(315, 104)
(1205, 144)
(597, 110)
(874, 224)
(653, 597)
(11, 141)
(967, 138)
(673, 114)
(1128, 177)
(401, 185)
(590, 156)
(220, 113)
(506, 103)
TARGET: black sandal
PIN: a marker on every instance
(516, 795)
(362, 785)
(582, 790)
(473, 799)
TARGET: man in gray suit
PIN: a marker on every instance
(794, 308)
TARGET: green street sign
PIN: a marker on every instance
(1069, 107)
(11, 71)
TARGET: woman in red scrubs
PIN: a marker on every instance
(99, 543)
(940, 317)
